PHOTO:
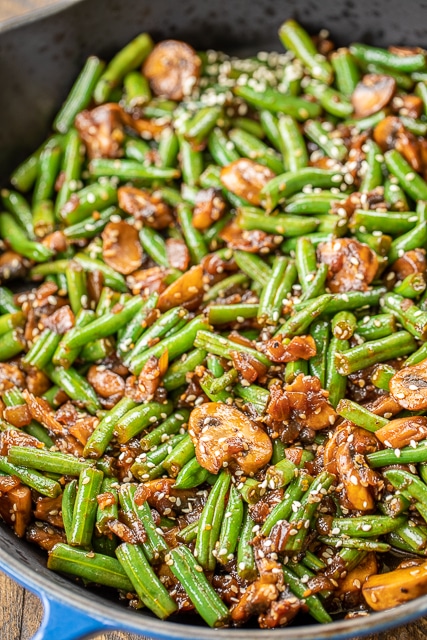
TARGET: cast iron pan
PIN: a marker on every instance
(39, 58)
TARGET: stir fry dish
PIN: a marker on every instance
(213, 352)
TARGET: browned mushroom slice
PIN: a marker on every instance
(15, 509)
(101, 129)
(12, 266)
(49, 510)
(409, 387)
(106, 383)
(145, 206)
(44, 535)
(61, 321)
(401, 432)
(372, 93)
(173, 69)
(387, 590)
(209, 207)
(257, 599)
(222, 434)
(177, 254)
(17, 438)
(413, 261)
(352, 265)
(148, 281)
(121, 248)
(187, 290)
(386, 132)
(254, 241)
(246, 178)
(409, 105)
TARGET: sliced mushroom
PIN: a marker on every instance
(387, 590)
(61, 321)
(187, 290)
(106, 383)
(173, 69)
(223, 434)
(209, 207)
(246, 178)
(413, 261)
(372, 93)
(352, 265)
(121, 247)
(390, 133)
(401, 432)
(177, 254)
(409, 387)
(254, 241)
(145, 206)
(101, 129)
(12, 266)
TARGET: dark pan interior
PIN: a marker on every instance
(38, 63)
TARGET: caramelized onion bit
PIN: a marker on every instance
(121, 247)
(101, 129)
(401, 432)
(246, 178)
(177, 254)
(173, 69)
(300, 347)
(372, 93)
(223, 434)
(145, 206)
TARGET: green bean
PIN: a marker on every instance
(130, 170)
(372, 177)
(246, 565)
(17, 238)
(287, 184)
(7, 304)
(366, 526)
(252, 147)
(137, 89)
(67, 506)
(346, 71)
(192, 475)
(11, 344)
(296, 39)
(75, 386)
(297, 324)
(175, 345)
(223, 347)
(277, 102)
(408, 314)
(70, 169)
(286, 225)
(168, 148)
(221, 149)
(331, 146)
(127, 59)
(210, 522)
(389, 222)
(283, 510)
(331, 100)
(412, 183)
(292, 144)
(193, 237)
(11, 320)
(375, 327)
(361, 416)
(51, 461)
(314, 605)
(406, 455)
(181, 453)
(417, 237)
(394, 346)
(230, 527)
(393, 61)
(139, 418)
(270, 125)
(208, 604)
(30, 477)
(17, 205)
(394, 195)
(93, 567)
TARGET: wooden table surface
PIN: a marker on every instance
(20, 610)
